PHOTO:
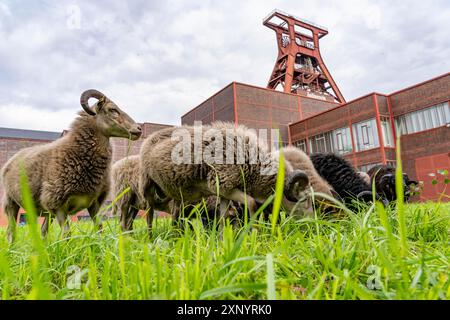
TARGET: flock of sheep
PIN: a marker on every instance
(75, 172)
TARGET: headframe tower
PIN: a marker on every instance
(299, 67)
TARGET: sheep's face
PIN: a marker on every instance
(388, 187)
(114, 122)
(302, 208)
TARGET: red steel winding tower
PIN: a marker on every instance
(299, 67)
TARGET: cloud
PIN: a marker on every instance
(30, 117)
(158, 59)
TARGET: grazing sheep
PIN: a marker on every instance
(125, 173)
(300, 161)
(365, 176)
(191, 180)
(384, 177)
(71, 173)
(341, 175)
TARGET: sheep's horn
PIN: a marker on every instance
(299, 177)
(85, 96)
(367, 196)
(386, 176)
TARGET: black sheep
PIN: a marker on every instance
(341, 175)
(384, 177)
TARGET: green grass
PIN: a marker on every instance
(398, 252)
(362, 256)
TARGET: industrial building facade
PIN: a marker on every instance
(364, 130)
(257, 108)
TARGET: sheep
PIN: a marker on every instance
(73, 172)
(341, 175)
(300, 161)
(365, 176)
(190, 180)
(125, 173)
(384, 178)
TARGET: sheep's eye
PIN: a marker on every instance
(115, 113)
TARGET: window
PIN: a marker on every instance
(342, 141)
(367, 167)
(366, 135)
(337, 141)
(425, 119)
(321, 143)
(301, 145)
(387, 133)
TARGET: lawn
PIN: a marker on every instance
(371, 254)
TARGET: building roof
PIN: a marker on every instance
(28, 134)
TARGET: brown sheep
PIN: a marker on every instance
(73, 172)
(300, 161)
(188, 182)
(125, 173)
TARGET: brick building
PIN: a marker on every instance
(364, 131)
(257, 108)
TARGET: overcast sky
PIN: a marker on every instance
(158, 59)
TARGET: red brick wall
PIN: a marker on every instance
(422, 144)
(352, 112)
(421, 96)
(256, 107)
(365, 157)
(218, 107)
(430, 164)
(10, 146)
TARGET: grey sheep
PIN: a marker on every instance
(190, 181)
(73, 172)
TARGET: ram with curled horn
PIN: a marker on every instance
(73, 172)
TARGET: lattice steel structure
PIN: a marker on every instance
(299, 67)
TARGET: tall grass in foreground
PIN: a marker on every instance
(398, 252)
(354, 258)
